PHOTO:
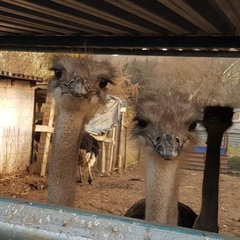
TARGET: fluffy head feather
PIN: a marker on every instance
(76, 79)
(167, 123)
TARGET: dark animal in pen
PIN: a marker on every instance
(89, 149)
(186, 216)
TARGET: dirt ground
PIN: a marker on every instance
(116, 193)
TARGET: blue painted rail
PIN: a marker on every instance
(24, 220)
(203, 149)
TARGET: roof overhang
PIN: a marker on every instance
(133, 45)
(137, 27)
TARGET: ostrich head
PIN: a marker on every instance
(166, 124)
(80, 80)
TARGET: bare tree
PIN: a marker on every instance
(210, 80)
(30, 63)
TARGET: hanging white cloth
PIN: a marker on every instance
(105, 118)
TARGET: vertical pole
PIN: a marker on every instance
(48, 138)
(120, 146)
(112, 146)
(125, 149)
(103, 167)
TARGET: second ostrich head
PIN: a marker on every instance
(167, 124)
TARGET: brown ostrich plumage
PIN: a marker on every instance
(165, 127)
(79, 88)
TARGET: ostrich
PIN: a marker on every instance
(186, 216)
(89, 149)
(165, 127)
(216, 120)
(79, 88)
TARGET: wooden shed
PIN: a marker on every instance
(17, 103)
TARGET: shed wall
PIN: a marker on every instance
(16, 123)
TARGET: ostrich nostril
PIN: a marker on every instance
(80, 80)
(177, 140)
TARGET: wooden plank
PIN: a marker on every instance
(223, 161)
(43, 128)
(119, 146)
(125, 150)
(112, 146)
(103, 163)
(48, 138)
(103, 138)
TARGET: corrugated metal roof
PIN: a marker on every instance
(141, 21)
(19, 76)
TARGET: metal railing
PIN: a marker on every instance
(24, 220)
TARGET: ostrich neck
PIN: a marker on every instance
(161, 190)
(62, 168)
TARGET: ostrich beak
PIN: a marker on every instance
(167, 146)
(78, 87)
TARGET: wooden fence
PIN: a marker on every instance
(112, 154)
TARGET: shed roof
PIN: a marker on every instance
(153, 27)
(19, 76)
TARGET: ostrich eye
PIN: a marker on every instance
(192, 126)
(103, 82)
(141, 123)
(57, 72)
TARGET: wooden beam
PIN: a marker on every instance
(42, 128)
(134, 42)
(176, 46)
(48, 139)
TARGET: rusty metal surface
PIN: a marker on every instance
(19, 76)
(84, 19)
(117, 17)
(30, 221)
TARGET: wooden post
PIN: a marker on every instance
(103, 166)
(119, 147)
(125, 150)
(115, 150)
(120, 144)
(226, 141)
(108, 151)
(112, 145)
(119, 151)
(48, 138)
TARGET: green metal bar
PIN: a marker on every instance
(24, 220)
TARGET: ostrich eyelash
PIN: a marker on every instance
(140, 122)
(103, 82)
(192, 126)
(57, 72)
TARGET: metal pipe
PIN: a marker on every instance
(24, 220)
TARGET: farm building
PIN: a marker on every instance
(17, 97)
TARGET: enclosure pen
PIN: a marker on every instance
(24, 220)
